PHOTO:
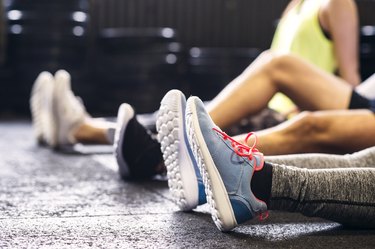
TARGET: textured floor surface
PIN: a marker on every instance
(54, 200)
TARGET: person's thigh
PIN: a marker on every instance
(338, 131)
(310, 87)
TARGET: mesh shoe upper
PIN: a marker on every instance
(226, 169)
(69, 112)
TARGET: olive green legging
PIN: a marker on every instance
(335, 187)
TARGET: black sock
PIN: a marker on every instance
(141, 151)
(261, 183)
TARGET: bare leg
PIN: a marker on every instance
(94, 131)
(344, 131)
(308, 86)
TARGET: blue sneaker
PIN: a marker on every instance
(227, 168)
(184, 179)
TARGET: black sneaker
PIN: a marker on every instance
(137, 152)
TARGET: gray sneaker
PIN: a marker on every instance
(184, 180)
(226, 167)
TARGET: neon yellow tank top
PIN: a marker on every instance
(300, 33)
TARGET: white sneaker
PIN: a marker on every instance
(40, 102)
(67, 111)
(184, 180)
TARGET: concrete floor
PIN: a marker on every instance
(54, 200)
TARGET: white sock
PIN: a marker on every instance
(111, 135)
(367, 88)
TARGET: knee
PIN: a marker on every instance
(267, 54)
(271, 62)
(283, 60)
(310, 126)
(280, 65)
(275, 59)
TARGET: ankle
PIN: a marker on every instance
(89, 134)
(261, 183)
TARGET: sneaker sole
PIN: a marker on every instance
(125, 113)
(182, 180)
(217, 196)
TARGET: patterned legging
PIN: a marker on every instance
(334, 187)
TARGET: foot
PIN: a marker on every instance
(67, 112)
(138, 155)
(184, 180)
(40, 101)
(227, 168)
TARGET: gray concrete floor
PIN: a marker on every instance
(54, 200)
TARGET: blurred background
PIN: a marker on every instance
(136, 50)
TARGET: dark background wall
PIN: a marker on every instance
(99, 77)
(228, 23)
(209, 23)
(233, 23)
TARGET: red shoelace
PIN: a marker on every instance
(242, 149)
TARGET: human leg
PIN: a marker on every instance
(362, 159)
(73, 123)
(95, 131)
(60, 118)
(341, 131)
(309, 87)
(344, 195)
(231, 172)
(66, 122)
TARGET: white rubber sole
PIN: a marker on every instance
(125, 113)
(217, 196)
(182, 180)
